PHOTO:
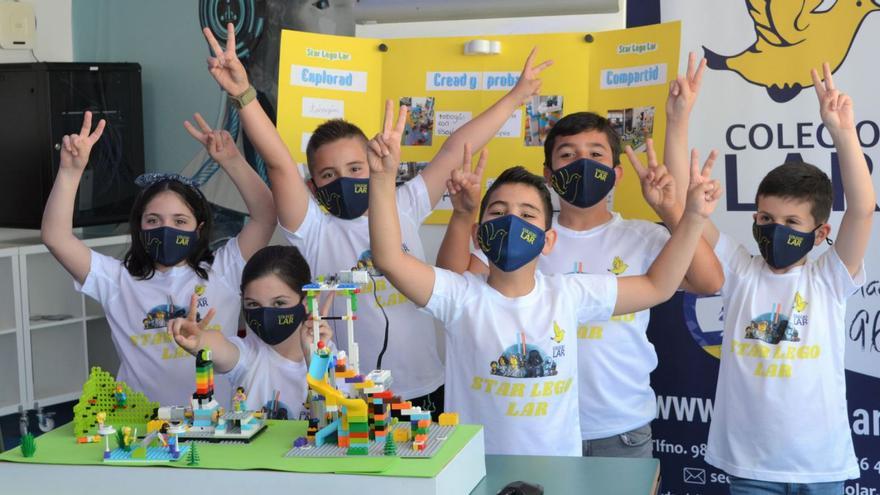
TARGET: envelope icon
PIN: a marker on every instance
(695, 476)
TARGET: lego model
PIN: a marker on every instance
(349, 413)
(204, 418)
(100, 403)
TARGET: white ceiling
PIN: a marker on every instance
(382, 11)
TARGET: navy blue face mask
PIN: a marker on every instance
(583, 183)
(169, 246)
(345, 197)
(782, 246)
(510, 242)
(274, 325)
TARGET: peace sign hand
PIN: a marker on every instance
(529, 82)
(188, 332)
(703, 191)
(684, 89)
(225, 66)
(658, 185)
(464, 184)
(76, 148)
(383, 153)
(835, 107)
(219, 144)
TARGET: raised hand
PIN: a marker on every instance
(529, 83)
(658, 186)
(384, 150)
(836, 108)
(703, 191)
(684, 89)
(76, 148)
(188, 332)
(464, 183)
(225, 66)
(219, 144)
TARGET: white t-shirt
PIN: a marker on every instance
(137, 310)
(330, 244)
(512, 362)
(780, 409)
(262, 371)
(615, 358)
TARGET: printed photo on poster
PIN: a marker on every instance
(420, 120)
(633, 125)
(409, 170)
(542, 112)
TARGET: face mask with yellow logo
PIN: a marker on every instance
(274, 325)
(510, 242)
(168, 246)
(345, 197)
(583, 183)
(782, 246)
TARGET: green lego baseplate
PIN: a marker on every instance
(99, 395)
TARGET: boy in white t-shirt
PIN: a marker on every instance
(511, 337)
(582, 163)
(327, 218)
(780, 419)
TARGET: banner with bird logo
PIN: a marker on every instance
(758, 107)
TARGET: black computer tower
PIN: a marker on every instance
(39, 104)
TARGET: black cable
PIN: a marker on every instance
(385, 341)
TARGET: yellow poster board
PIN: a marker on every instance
(621, 74)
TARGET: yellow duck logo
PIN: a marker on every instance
(558, 333)
(199, 290)
(792, 38)
(800, 304)
(618, 266)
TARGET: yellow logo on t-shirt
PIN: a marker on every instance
(558, 333)
(618, 266)
(800, 304)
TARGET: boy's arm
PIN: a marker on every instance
(412, 277)
(836, 110)
(464, 192)
(683, 93)
(56, 230)
(258, 230)
(288, 187)
(665, 274)
(481, 129)
(192, 336)
(704, 275)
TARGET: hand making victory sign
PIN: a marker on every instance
(219, 144)
(225, 66)
(76, 148)
(464, 184)
(384, 149)
(529, 83)
(189, 332)
(658, 186)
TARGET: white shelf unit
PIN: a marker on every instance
(47, 360)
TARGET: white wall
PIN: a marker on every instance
(54, 34)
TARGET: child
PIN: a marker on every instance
(582, 163)
(529, 404)
(338, 239)
(168, 261)
(780, 416)
(274, 355)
